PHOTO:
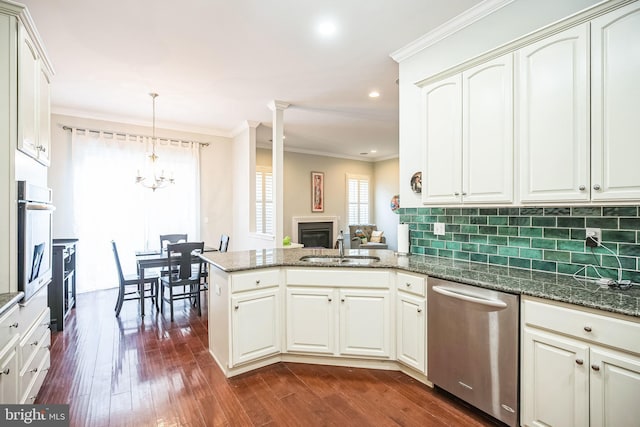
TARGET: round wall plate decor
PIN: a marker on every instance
(416, 182)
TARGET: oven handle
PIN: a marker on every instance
(465, 297)
(31, 206)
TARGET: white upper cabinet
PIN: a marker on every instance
(468, 136)
(615, 114)
(442, 124)
(33, 100)
(487, 132)
(553, 118)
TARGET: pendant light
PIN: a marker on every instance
(151, 178)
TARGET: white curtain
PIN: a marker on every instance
(109, 205)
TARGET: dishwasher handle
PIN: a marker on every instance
(471, 298)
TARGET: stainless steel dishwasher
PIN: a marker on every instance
(473, 346)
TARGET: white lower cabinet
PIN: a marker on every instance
(311, 320)
(411, 321)
(360, 318)
(255, 325)
(614, 382)
(411, 331)
(365, 322)
(578, 368)
(9, 372)
(339, 312)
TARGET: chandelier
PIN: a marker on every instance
(150, 178)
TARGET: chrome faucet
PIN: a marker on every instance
(340, 242)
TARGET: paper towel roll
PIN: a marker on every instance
(403, 239)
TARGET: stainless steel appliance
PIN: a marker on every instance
(473, 346)
(34, 237)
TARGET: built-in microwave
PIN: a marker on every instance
(35, 223)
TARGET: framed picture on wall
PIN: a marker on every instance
(317, 192)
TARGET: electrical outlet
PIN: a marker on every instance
(593, 237)
(438, 228)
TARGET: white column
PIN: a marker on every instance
(278, 108)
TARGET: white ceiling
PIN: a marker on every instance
(217, 63)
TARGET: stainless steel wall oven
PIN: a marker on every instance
(35, 222)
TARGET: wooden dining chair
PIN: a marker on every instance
(166, 239)
(184, 281)
(131, 287)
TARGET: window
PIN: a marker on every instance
(264, 200)
(358, 199)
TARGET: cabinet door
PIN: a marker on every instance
(553, 118)
(615, 86)
(615, 387)
(255, 325)
(487, 132)
(44, 117)
(365, 323)
(441, 130)
(28, 71)
(411, 331)
(555, 381)
(311, 320)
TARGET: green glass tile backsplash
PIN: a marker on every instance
(544, 239)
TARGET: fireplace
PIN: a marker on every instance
(315, 234)
(315, 231)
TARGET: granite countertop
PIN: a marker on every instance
(551, 286)
(8, 300)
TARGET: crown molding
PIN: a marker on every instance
(278, 105)
(247, 124)
(450, 27)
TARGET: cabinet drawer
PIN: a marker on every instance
(600, 329)
(32, 309)
(38, 337)
(9, 325)
(339, 277)
(254, 280)
(410, 283)
(31, 382)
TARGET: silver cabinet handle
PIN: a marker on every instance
(408, 284)
(258, 282)
(456, 194)
(5, 372)
(34, 343)
(342, 299)
(14, 325)
(419, 310)
(34, 370)
(595, 367)
(582, 188)
(596, 186)
(236, 307)
(464, 193)
(329, 299)
(579, 361)
(587, 328)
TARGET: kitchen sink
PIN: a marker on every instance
(346, 260)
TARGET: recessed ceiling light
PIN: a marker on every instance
(374, 94)
(327, 28)
(374, 151)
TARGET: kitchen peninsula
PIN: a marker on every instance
(267, 306)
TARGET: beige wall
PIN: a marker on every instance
(297, 188)
(215, 161)
(385, 187)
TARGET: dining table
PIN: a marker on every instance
(156, 258)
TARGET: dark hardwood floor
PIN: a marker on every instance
(133, 371)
